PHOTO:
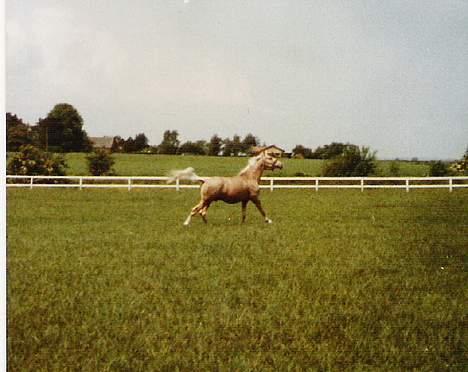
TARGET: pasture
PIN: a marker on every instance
(159, 165)
(110, 280)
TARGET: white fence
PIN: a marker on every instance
(272, 183)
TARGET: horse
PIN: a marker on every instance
(242, 188)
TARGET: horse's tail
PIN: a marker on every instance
(187, 174)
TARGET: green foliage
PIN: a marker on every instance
(394, 169)
(32, 161)
(439, 169)
(110, 280)
(215, 145)
(100, 163)
(137, 144)
(248, 142)
(18, 133)
(330, 151)
(118, 144)
(195, 148)
(302, 152)
(141, 142)
(63, 128)
(170, 142)
(353, 162)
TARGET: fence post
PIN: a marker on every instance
(129, 184)
(81, 183)
(407, 185)
(450, 184)
(177, 184)
(316, 184)
(271, 184)
(31, 183)
(362, 184)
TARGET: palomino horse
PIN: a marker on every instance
(241, 188)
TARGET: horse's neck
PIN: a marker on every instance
(255, 172)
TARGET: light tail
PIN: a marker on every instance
(187, 174)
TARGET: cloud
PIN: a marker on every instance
(306, 73)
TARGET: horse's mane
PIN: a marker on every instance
(252, 161)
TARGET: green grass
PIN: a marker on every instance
(157, 165)
(110, 280)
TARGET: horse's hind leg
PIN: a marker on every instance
(259, 207)
(194, 211)
(204, 210)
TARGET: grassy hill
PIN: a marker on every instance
(158, 165)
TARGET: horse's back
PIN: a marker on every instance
(228, 189)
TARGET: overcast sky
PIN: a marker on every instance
(392, 75)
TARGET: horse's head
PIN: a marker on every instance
(271, 162)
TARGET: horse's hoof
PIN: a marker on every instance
(268, 220)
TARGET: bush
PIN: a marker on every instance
(31, 161)
(100, 163)
(439, 169)
(353, 162)
(394, 169)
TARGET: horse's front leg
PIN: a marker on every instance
(257, 203)
(244, 210)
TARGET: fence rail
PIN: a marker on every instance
(272, 183)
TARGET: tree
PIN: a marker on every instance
(302, 151)
(118, 144)
(248, 142)
(62, 130)
(129, 145)
(100, 163)
(227, 149)
(236, 145)
(19, 133)
(439, 169)
(215, 145)
(330, 151)
(141, 142)
(32, 161)
(170, 142)
(353, 162)
(196, 148)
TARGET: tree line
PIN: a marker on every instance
(62, 131)
(216, 146)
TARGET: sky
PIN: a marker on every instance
(391, 75)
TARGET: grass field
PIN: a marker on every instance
(158, 165)
(110, 280)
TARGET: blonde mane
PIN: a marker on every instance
(251, 163)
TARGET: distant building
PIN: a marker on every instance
(102, 142)
(272, 150)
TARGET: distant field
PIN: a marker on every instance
(110, 280)
(157, 165)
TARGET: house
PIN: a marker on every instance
(272, 150)
(102, 142)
